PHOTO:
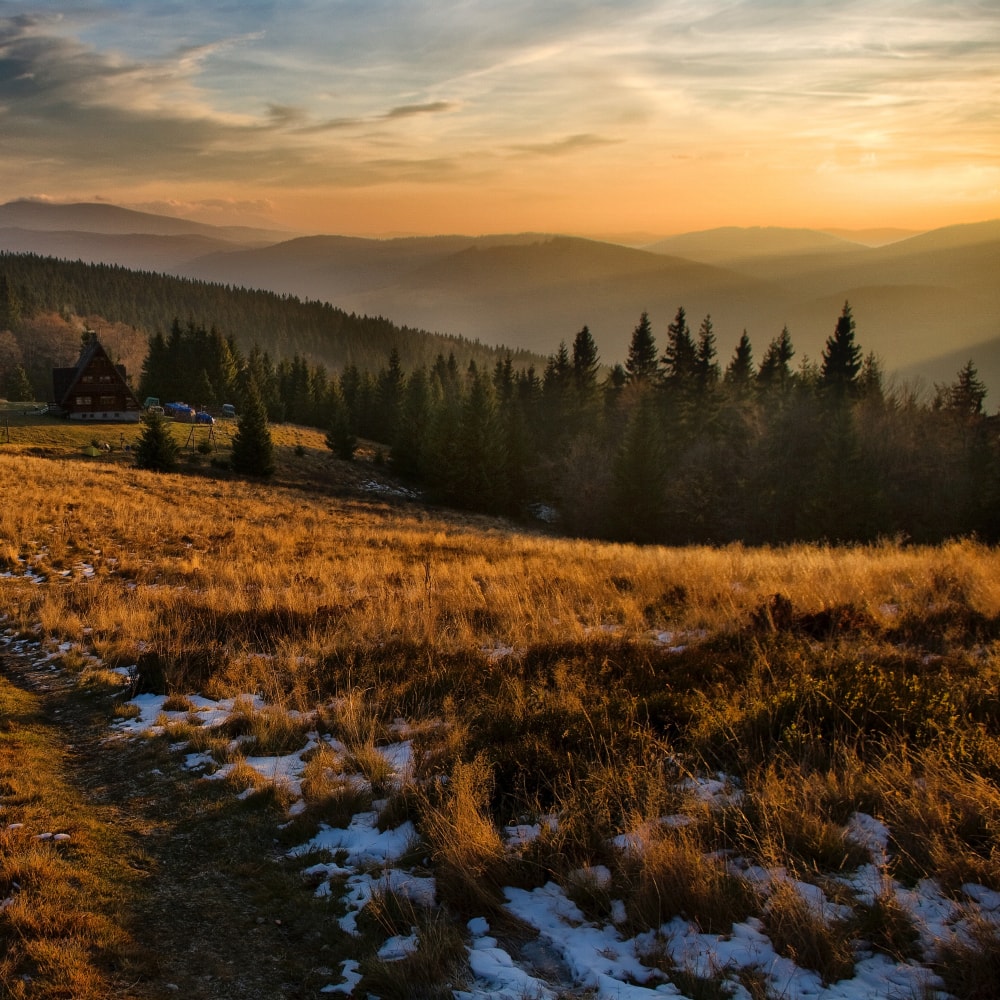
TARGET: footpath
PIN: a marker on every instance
(120, 877)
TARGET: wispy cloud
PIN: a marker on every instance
(323, 96)
(562, 147)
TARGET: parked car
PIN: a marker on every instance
(201, 417)
(155, 408)
(179, 411)
(228, 410)
(152, 402)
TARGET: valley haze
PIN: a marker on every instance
(924, 303)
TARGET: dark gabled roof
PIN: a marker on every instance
(64, 380)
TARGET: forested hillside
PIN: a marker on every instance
(673, 446)
(670, 447)
(280, 325)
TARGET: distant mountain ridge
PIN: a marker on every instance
(98, 217)
(918, 301)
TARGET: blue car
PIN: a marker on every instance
(204, 418)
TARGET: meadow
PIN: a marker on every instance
(586, 689)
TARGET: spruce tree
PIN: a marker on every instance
(586, 362)
(389, 391)
(965, 396)
(775, 370)
(253, 450)
(155, 368)
(640, 478)
(706, 367)
(19, 387)
(640, 365)
(10, 305)
(340, 438)
(739, 373)
(410, 443)
(157, 450)
(680, 356)
(841, 358)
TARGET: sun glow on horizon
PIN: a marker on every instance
(648, 116)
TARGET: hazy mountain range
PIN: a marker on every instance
(925, 303)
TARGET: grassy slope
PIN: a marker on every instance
(868, 685)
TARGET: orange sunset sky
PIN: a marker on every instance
(628, 120)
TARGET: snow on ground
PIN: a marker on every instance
(357, 861)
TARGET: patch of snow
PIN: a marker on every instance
(349, 971)
(397, 948)
(362, 841)
(372, 486)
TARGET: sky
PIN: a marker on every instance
(632, 119)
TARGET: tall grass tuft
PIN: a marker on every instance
(469, 855)
(970, 967)
(670, 875)
(799, 931)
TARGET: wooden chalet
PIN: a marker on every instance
(95, 388)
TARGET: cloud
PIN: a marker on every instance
(412, 110)
(562, 147)
(108, 94)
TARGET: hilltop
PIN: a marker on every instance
(920, 299)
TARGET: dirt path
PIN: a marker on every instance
(201, 890)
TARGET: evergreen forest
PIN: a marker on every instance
(677, 445)
(670, 447)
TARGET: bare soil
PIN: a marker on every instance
(215, 910)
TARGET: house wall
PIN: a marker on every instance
(99, 394)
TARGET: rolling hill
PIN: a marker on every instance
(918, 302)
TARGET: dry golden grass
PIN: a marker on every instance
(471, 862)
(62, 899)
(536, 672)
(672, 876)
(807, 936)
(209, 571)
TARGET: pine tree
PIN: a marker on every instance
(640, 364)
(157, 450)
(253, 449)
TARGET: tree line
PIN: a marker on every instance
(670, 446)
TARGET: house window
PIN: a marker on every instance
(107, 400)
(84, 400)
(87, 378)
